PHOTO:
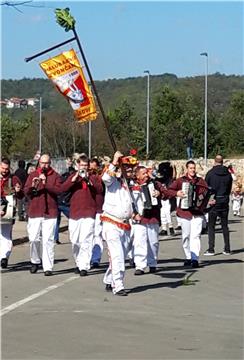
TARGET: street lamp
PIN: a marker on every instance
(40, 125)
(148, 109)
(206, 108)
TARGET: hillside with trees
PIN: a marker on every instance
(176, 109)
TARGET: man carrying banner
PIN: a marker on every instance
(117, 211)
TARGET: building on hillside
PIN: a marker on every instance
(18, 103)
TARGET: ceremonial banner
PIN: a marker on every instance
(66, 73)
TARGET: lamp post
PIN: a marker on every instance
(89, 139)
(206, 109)
(40, 125)
(148, 109)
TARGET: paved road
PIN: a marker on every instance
(69, 317)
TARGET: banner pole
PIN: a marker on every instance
(95, 91)
(49, 49)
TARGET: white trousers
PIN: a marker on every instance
(42, 229)
(165, 214)
(97, 241)
(6, 240)
(236, 206)
(191, 236)
(145, 245)
(117, 242)
(81, 234)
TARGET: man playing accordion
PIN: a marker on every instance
(191, 211)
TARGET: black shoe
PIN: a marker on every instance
(58, 242)
(4, 263)
(139, 272)
(108, 287)
(132, 264)
(77, 270)
(187, 262)
(178, 228)
(21, 218)
(34, 268)
(83, 273)
(152, 269)
(122, 292)
(95, 265)
(194, 264)
(48, 273)
(163, 233)
(171, 231)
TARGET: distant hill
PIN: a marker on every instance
(133, 89)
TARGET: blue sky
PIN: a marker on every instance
(122, 39)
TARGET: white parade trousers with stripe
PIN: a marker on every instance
(117, 242)
(191, 236)
(38, 229)
(81, 234)
(146, 245)
(6, 240)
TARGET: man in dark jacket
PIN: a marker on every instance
(63, 203)
(21, 173)
(220, 180)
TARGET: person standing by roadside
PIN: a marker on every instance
(220, 180)
(42, 187)
(10, 186)
(189, 146)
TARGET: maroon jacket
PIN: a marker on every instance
(152, 216)
(83, 196)
(7, 185)
(43, 202)
(177, 185)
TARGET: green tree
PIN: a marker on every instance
(232, 126)
(166, 129)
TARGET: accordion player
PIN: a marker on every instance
(196, 200)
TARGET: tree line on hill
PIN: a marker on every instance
(176, 109)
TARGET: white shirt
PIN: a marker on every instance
(117, 201)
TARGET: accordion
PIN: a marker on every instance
(195, 201)
(8, 205)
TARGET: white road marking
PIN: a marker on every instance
(14, 306)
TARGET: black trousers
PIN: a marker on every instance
(223, 215)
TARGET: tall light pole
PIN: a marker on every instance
(206, 110)
(148, 110)
(89, 138)
(40, 125)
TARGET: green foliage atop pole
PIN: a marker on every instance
(65, 19)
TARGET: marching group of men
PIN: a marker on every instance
(120, 205)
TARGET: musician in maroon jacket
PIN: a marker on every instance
(42, 187)
(10, 185)
(84, 188)
(147, 195)
(191, 219)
